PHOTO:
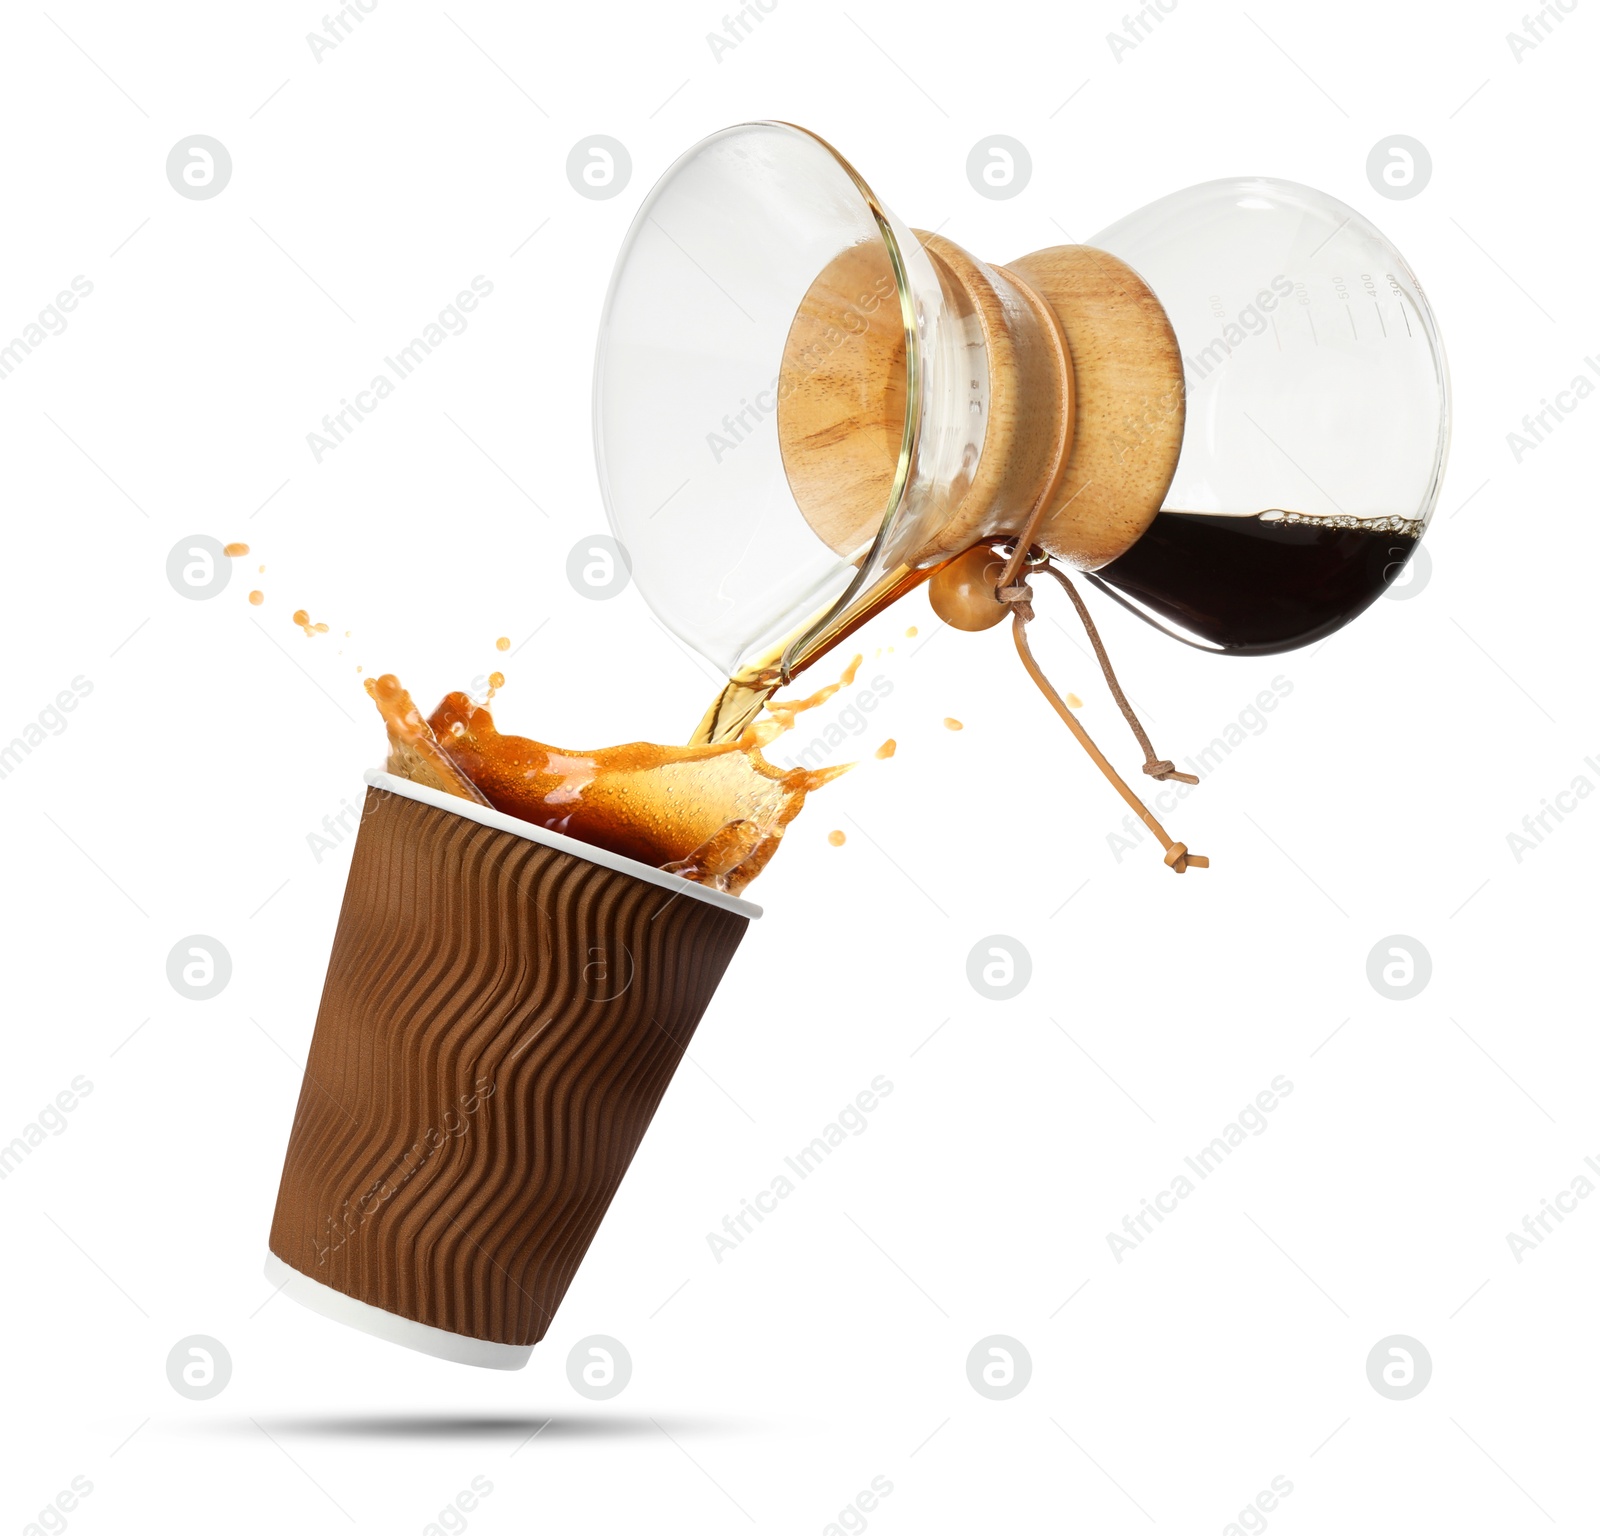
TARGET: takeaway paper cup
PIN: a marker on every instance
(503, 1009)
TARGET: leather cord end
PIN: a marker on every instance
(1163, 768)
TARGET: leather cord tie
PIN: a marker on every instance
(1018, 596)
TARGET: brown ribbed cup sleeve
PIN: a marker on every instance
(498, 1024)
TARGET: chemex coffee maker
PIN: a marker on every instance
(1229, 411)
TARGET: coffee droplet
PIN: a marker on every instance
(951, 724)
(497, 679)
(837, 839)
(261, 570)
(303, 619)
(1074, 702)
(886, 750)
(258, 598)
(911, 634)
(503, 643)
(962, 592)
(234, 550)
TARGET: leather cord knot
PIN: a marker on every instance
(1164, 768)
(1018, 597)
(1179, 857)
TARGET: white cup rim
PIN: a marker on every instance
(486, 815)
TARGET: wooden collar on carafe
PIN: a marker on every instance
(1162, 432)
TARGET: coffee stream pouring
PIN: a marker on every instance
(1229, 411)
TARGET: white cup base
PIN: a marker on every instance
(438, 1342)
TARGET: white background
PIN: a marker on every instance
(1167, 1389)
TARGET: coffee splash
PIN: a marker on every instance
(713, 814)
